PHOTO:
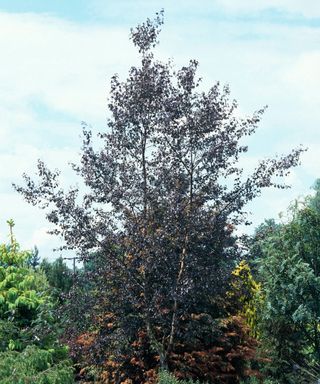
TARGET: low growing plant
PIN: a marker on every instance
(35, 366)
(167, 378)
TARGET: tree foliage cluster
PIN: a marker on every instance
(30, 351)
(288, 268)
(165, 286)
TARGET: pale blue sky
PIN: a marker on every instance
(124, 11)
(57, 58)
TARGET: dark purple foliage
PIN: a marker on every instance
(166, 193)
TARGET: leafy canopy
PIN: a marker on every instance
(289, 270)
(22, 290)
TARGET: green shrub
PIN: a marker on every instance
(253, 380)
(167, 378)
(34, 366)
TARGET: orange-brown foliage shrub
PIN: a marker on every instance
(225, 358)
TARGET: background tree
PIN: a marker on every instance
(30, 351)
(314, 200)
(262, 232)
(60, 277)
(289, 271)
(22, 292)
(34, 258)
(165, 193)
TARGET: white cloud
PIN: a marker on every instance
(41, 237)
(62, 64)
(304, 75)
(53, 75)
(310, 160)
(309, 8)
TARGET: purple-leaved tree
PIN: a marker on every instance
(165, 194)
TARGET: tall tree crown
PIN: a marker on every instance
(165, 194)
